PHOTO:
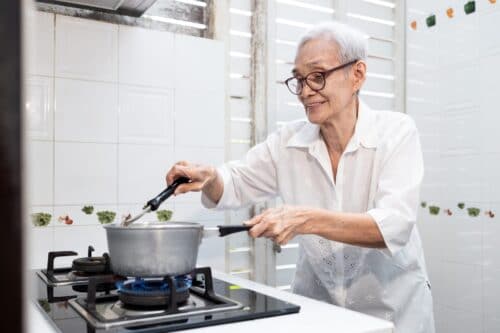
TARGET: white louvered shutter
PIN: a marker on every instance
(239, 246)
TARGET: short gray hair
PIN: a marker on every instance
(352, 44)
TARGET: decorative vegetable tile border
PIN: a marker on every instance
(471, 211)
(430, 21)
(42, 219)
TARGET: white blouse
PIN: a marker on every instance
(379, 173)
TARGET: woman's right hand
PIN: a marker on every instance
(203, 177)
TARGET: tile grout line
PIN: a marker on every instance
(483, 310)
(118, 118)
(53, 106)
(174, 115)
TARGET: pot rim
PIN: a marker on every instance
(155, 225)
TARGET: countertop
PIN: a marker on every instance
(313, 316)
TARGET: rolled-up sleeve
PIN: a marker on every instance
(398, 190)
(250, 180)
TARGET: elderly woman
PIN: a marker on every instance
(350, 180)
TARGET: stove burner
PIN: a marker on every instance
(153, 292)
(91, 265)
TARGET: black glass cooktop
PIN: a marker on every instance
(58, 302)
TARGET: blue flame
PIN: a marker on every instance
(145, 286)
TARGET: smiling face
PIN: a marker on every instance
(338, 95)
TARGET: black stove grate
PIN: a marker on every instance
(77, 279)
(171, 313)
(81, 269)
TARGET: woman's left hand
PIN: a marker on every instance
(279, 224)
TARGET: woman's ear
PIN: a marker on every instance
(359, 73)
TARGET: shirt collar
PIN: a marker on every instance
(365, 133)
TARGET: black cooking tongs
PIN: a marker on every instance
(154, 203)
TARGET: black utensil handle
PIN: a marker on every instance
(157, 201)
(231, 229)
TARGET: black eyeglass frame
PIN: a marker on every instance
(324, 74)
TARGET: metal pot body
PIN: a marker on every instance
(154, 249)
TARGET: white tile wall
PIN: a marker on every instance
(41, 175)
(491, 325)
(458, 39)
(142, 170)
(489, 44)
(102, 125)
(195, 70)
(213, 156)
(491, 290)
(489, 69)
(86, 49)
(491, 235)
(85, 173)
(40, 241)
(452, 320)
(86, 111)
(463, 240)
(109, 110)
(146, 115)
(39, 107)
(459, 139)
(199, 119)
(40, 43)
(491, 177)
(146, 57)
(461, 293)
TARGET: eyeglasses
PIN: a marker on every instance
(315, 80)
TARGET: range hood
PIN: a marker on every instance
(123, 7)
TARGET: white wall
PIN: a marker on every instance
(453, 71)
(109, 109)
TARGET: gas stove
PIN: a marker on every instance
(88, 297)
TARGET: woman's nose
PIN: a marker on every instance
(306, 91)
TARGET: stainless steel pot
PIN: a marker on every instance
(159, 248)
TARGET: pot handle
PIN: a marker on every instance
(231, 229)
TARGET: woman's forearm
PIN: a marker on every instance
(352, 228)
